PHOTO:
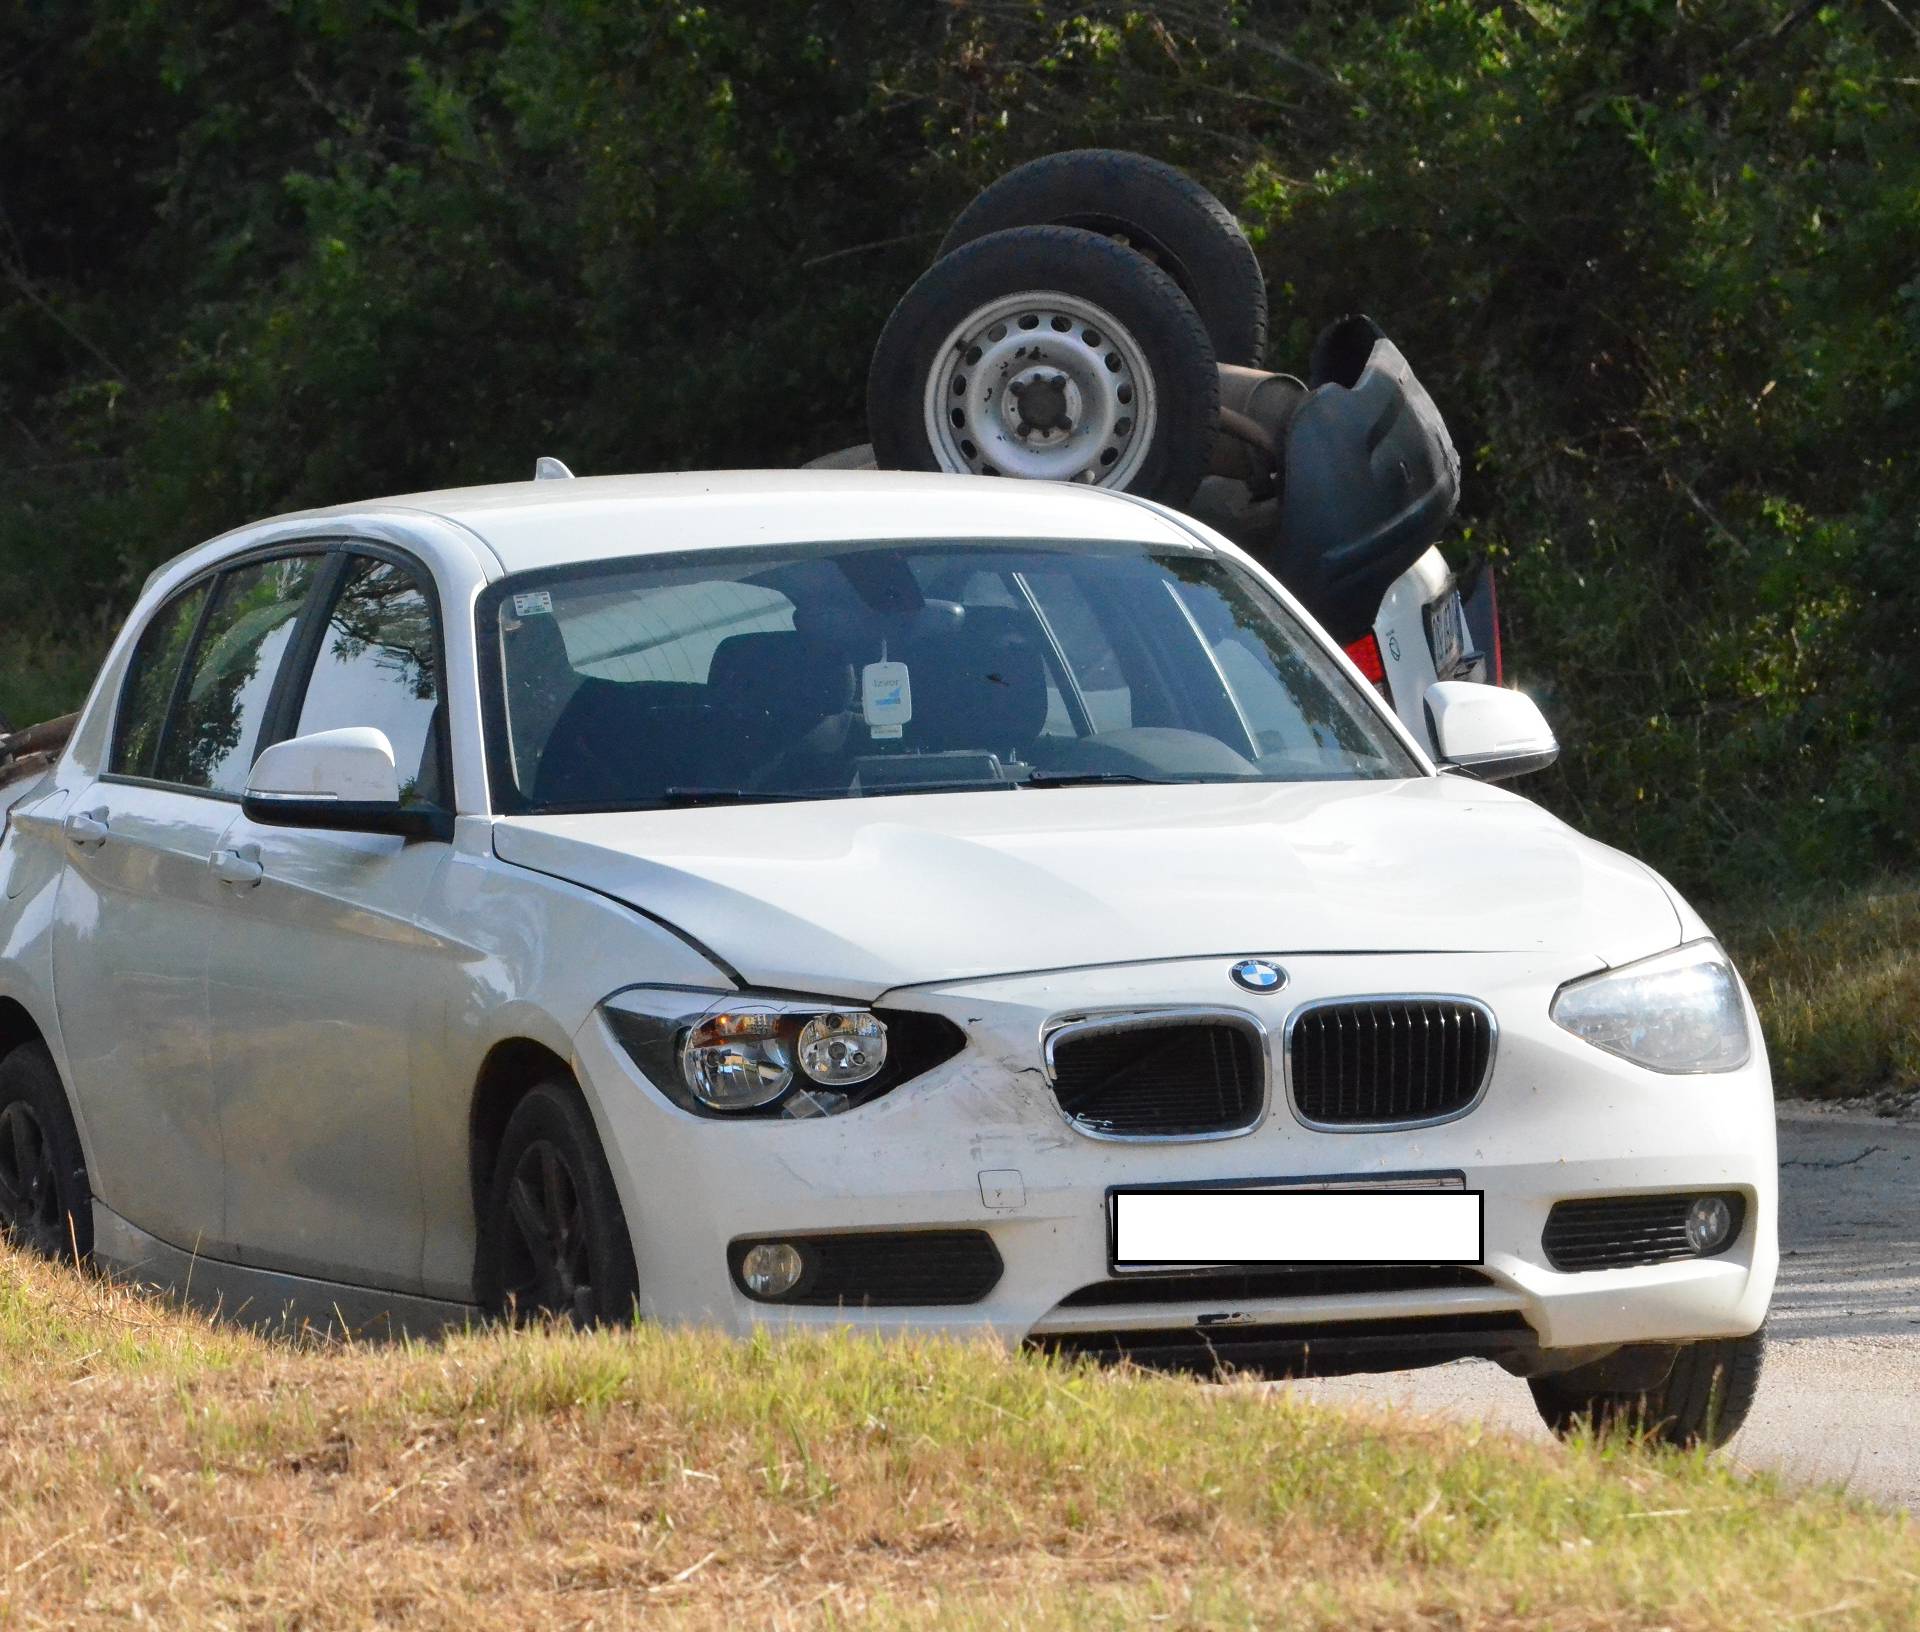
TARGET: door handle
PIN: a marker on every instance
(241, 866)
(87, 827)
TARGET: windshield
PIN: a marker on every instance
(825, 671)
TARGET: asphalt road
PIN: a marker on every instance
(1840, 1395)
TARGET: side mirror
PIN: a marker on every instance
(1487, 731)
(344, 780)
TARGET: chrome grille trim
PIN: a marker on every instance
(1106, 1022)
(1361, 1000)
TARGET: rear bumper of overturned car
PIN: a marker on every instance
(978, 1152)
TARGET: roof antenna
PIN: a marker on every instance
(549, 469)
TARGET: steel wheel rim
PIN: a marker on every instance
(1041, 385)
(549, 1267)
(29, 1182)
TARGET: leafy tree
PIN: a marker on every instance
(1656, 260)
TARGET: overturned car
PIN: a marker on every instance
(1099, 317)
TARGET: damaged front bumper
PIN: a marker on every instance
(1006, 1199)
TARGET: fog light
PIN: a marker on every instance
(772, 1269)
(1708, 1221)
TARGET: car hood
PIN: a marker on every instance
(852, 897)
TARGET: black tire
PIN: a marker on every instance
(551, 1181)
(1166, 215)
(1703, 1400)
(46, 1205)
(1171, 340)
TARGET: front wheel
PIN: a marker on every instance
(1703, 1399)
(553, 1238)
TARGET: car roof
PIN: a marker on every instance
(549, 523)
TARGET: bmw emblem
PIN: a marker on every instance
(1257, 975)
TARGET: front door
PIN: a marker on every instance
(321, 984)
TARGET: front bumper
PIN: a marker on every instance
(980, 1143)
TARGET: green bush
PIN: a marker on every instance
(1655, 260)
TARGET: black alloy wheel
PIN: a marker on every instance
(554, 1242)
(45, 1204)
(547, 1264)
(30, 1210)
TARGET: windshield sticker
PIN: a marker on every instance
(886, 698)
(533, 604)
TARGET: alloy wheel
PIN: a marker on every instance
(30, 1210)
(548, 1260)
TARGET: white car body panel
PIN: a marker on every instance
(854, 896)
(1401, 631)
(325, 962)
(311, 1045)
(135, 919)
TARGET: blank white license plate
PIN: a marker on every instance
(1156, 1228)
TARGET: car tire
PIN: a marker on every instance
(1099, 337)
(1703, 1399)
(553, 1238)
(46, 1204)
(1163, 213)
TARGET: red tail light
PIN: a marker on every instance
(1365, 653)
(1498, 662)
(1480, 607)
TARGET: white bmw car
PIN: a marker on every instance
(819, 899)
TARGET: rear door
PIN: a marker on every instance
(321, 983)
(139, 903)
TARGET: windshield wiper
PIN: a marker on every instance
(1081, 779)
(732, 796)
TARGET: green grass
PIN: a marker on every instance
(1836, 978)
(42, 677)
(155, 1465)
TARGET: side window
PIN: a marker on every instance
(157, 657)
(378, 665)
(210, 739)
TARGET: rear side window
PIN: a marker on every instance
(211, 738)
(157, 657)
(378, 666)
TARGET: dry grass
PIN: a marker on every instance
(154, 1467)
(1837, 981)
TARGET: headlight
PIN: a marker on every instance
(736, 1061)
(1678, 1012)
(744, 1055)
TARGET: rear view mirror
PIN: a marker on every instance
(1487, 731)
(344, 780)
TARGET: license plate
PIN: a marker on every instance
(1447, 637)
(1426, 1220)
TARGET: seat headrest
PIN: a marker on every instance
(983, 687)
(780, 673)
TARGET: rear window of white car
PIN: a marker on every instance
(824, 672)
